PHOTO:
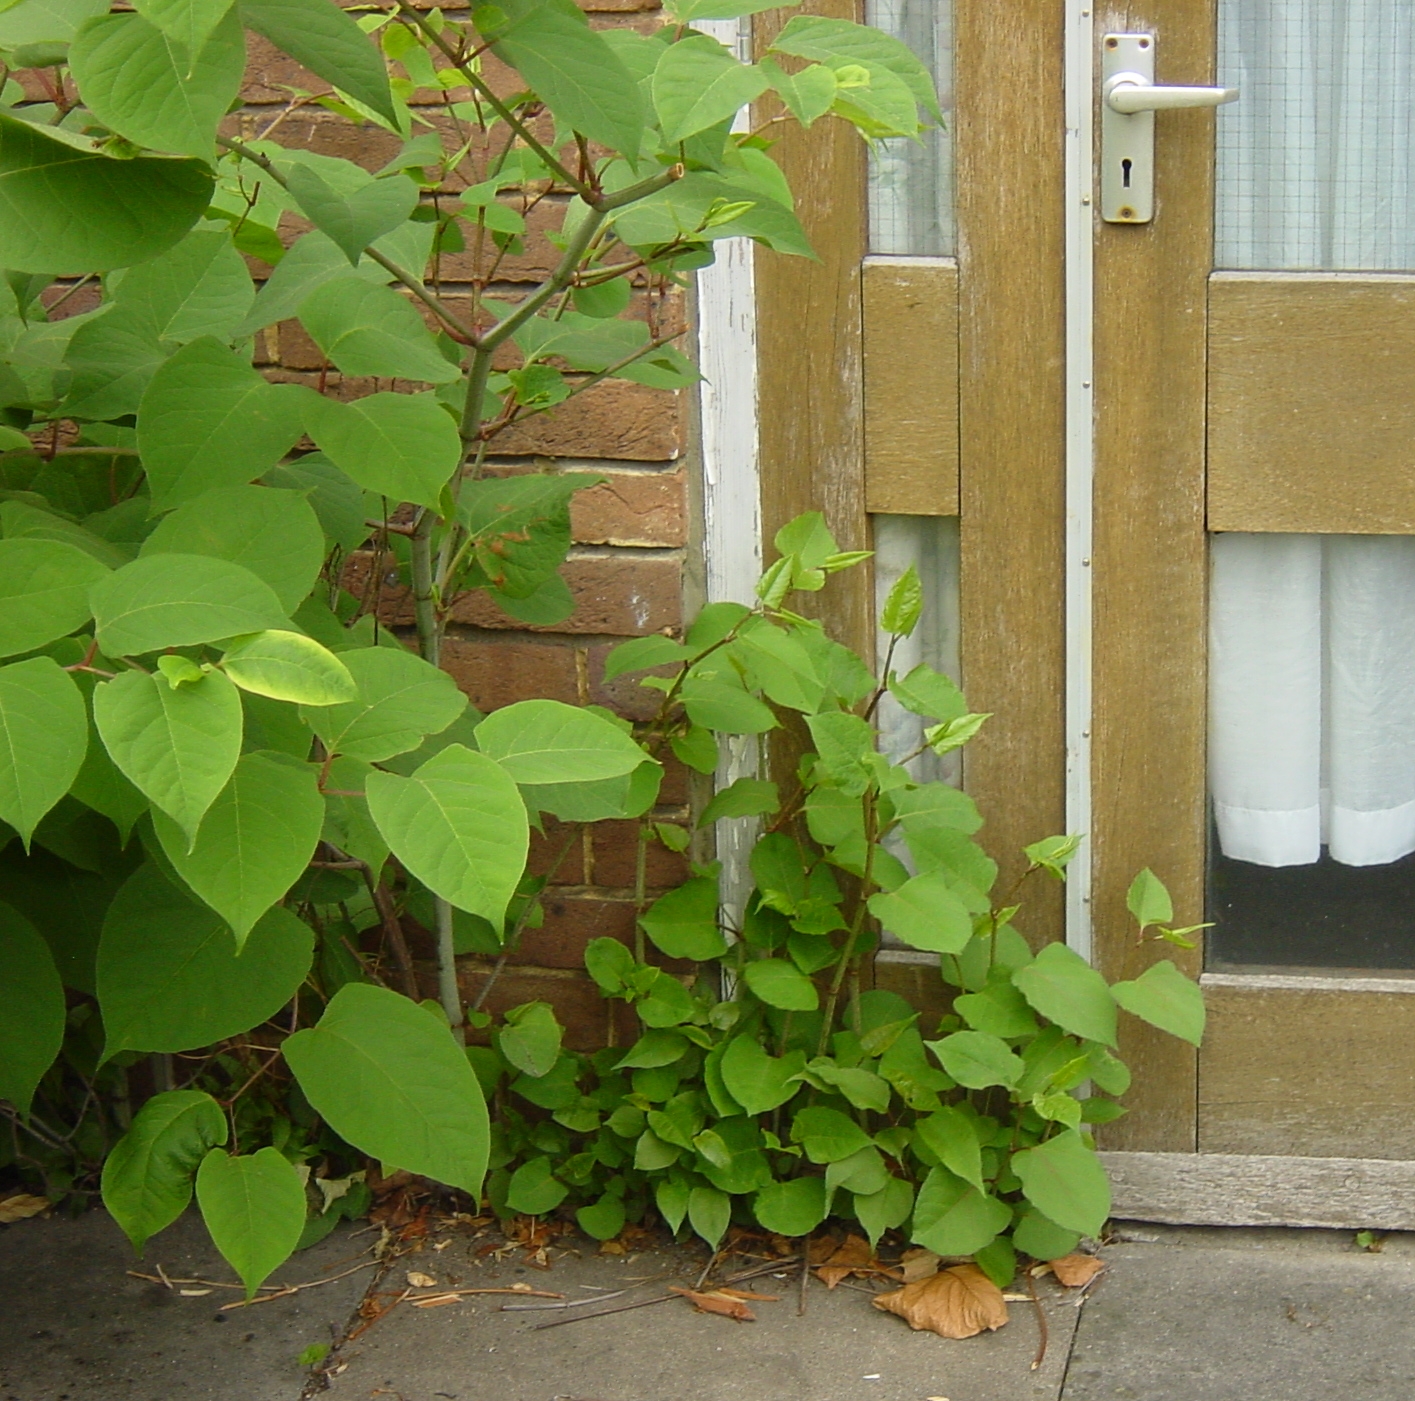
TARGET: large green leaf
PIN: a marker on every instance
(403, 446)
(977, 1060)
(709, 1212)
(547, 741)
(288, 666)
(67, 208)
(827, 1135)
(169, 975)
(1165, 998)
(187, 22)
(792, 1208)
(356, 218)
(43, 738)
(683, 923)
(948, 1134)
(926, 914)
(534, 1188)
(1064, 988)
(837, 41)
(337, 500)
(31, 1008)
(176, 744)
(325, 40)
(781, 984)
(45, 21)
(1065, 1181)
(199, 288)
(757, 1081)
(20, 521)
(697, 84)
(275, 534)
(254, 842)
(147, 1178)
(44, 587)
(400, 699)
(113, 358)
(135, 80)
(951, 1217)
(369, 329)
(459, 825)
(254, 1208)
(391, 1080)
(208, 420)
(580, 78)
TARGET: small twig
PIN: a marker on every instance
(286, 1290)
(564, 1304)
(805, 1276)
(707, 1269)
(1041, 1322)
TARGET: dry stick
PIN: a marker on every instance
(1041, 1322)
(805, 1276)
(707, 1269)
(393, 933)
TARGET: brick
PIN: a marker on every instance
(572, 919)
(615, 854)
(614, 419)
(623, 694)
(582, 1010)
(646, 509)
(494, 671)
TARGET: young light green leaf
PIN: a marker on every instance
(1063, 987)
(32, 1009)
(391, 1080)
(459, 825)
(179, 601)
(530, 1040)
(925, 913)
(547, 741)
(780, 984)
(270, 812)
(176, 744)
(169, 974)
(1148, 900)
(905, 603)
(43, 738)
(1165, 998)
(147, 1178)
(1053, 853)
(288, 666)
(951, 1217)
(403, 446)
(44, 588)
(683, 923)
(1065, 1181)
(793, 1208)
(353, 219)
(399, 699)
(368, 329)
(976, 1059)
(275, 534)
(254, 1208)
(697, 84)
(666, 1003)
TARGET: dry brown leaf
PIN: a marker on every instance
(853, 1255)
(919, 1264)
(21, 1207)
(419, 1280)
(749, 1294)
(715, 1302)
(613, 1247)
(1078, 1269)
(955, 1303)
(820, 1248)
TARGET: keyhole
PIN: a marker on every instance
(1125, 172)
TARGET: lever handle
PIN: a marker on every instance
(1128, 93)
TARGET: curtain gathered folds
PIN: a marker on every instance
(1312, 638)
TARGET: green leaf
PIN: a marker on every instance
(177, 745)
(520, 525)
(45, 22)
(534, 1189)
(603, 1220)
(580, 78)
(697, 84)
(547, 741)
(781, 984)
(271, 814)
(886, 1209)
(368, 329)
(170, 977)
(709, 1212)
(905, 603)
(641, 653)
(683, 923)
(208, 420)
(530, 1040)
(403, 446)
(927, 692)
(863, 1088)
(667, 1002)
(671, 1196)
(400, 699)
(44, 587)
(721, 705)
(1065, 1181)
(808, 95)
(337, 500)
(179, 601)
(274, 534)
(459, 825)
(355, 218)
(792, 1208)
(67, 208)
(1148, 900)
(1165, 998)
(319, 36)
(653, 1048)
(780, 665)
(1065, 989)
(43, 738)
(953, 1218)
(147, 1178)
(288, 666)
(199, 288)
(836, 41)
(142, 84)
(1034, 1235)
(254, 1208)
(827, 1135)
(925, 913)
(757, 1081)
(998, 1008)
(32, 1009)
(948, 1134)
(392, 1081)
(978, 1060)
(689, 11)
(746, 797)
(845, 747)
(1053, 853)
(609, 963)
(188, 23)
(112, 358)
(863, 1173)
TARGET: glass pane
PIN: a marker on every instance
(911, 182)
(1314, 159)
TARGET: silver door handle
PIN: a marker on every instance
(1133, 92)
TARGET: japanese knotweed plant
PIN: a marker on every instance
(770, 1088)
(217, 770)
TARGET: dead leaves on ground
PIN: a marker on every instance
(852, 1256)
(958, 1302)
(1075, 1270)
(21, 1207)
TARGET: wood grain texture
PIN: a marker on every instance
(1220, 1189)
(1010, 179)
(1319, 1073)
(1150, 562)
(910, 308)
(809, 347)
(1312, 402)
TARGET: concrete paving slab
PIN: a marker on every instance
(74, 1326)
(1214, 1314)
(843, 1349)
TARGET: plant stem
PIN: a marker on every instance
(641, 864)
(448, 993)
(847, 952)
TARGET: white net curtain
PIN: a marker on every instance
(1312, 638)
